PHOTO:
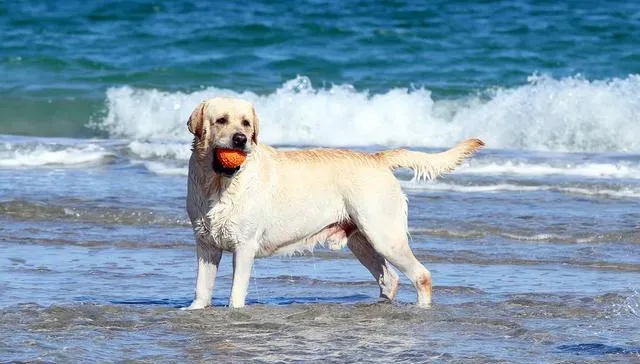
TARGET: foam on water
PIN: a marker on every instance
(165, 150)
(595, 190)
(34, 155)
(569, 114)
(164, 169)
(633, 303)
(592, 170)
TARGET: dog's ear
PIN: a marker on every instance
(256, 126)
(196, 120)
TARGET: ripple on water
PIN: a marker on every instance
(633, 303)
(597, 349)
(152, 329)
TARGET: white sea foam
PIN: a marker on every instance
(596, 190)
(495, 188)
(164, 169)
(633, 303)
(166, 150)
(569, 114)
(33, 155)
(594, 170)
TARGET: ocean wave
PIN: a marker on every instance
(620, 169)
(585, 190)
(569, 114)
(167, 150)
(528, 236)
(34, 155)
(34, 210)
(164, 169)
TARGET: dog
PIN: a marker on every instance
(279, 202)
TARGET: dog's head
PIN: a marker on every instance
(223, 122)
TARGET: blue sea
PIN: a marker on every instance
(534, 243)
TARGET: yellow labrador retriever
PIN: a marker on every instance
(286, 201)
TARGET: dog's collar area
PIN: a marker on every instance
(219, 169)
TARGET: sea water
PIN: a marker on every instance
(534, 243)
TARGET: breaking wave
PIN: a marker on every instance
(570, 114)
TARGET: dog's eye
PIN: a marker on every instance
(246, 123)
(221, 121)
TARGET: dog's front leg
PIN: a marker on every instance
(208, 261)
(242, 264)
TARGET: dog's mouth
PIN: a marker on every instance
(220, 169)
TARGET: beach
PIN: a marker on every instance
(533, 243)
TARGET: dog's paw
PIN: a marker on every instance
(196, 305)
(423, 305)
(236, 305)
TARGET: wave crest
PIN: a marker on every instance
(570, 114)
(35, 155)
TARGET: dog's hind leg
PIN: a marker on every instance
(380, 269)
(384, 225)
(395, 249)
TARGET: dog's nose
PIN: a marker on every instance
(239, 140)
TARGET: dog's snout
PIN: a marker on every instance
(239, 140)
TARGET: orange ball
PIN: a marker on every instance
(230, 158)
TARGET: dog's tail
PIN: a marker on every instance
(429, 165)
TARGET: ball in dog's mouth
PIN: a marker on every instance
(227, 161)
(230, 158)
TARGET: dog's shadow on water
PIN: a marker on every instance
(275, 301)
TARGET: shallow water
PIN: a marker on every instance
(99, 258)
(98, 302)
(534, 243)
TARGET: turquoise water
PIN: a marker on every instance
(58, 60)
(533, 243)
